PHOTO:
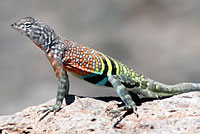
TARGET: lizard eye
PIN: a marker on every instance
(28, 25)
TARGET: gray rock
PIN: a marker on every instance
(174, 115)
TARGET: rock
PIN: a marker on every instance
(174, 115)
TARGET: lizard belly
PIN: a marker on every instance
(91, 77)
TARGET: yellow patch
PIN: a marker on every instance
(109, 65)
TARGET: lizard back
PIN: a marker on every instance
(93, 66)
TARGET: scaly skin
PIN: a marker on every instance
(94, 67)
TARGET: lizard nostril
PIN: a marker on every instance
(12, 25)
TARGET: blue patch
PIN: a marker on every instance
(103, 82)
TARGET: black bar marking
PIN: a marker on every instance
(113, 66)
(95, 79)
(108, 84)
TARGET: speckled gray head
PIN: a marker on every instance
(29, 26)
(40, 33)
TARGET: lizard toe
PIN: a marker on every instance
(48, 110)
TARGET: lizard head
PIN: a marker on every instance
(41, 34)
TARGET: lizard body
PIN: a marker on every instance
(94, 67)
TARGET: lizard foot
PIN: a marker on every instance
(48, 110)
(127, 108)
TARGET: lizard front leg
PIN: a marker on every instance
(63, 90)
(124, 95)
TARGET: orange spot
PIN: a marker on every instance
(69, 48)
(71, 43)
(80, 46)
(91, 63)
(91, 59)
(75, 48)
(81, 52)
(81, 60)
(90, 66)
(84, 49)
(78, 56)
(86, 56)
(66, 41)
(71, 54)
(89, 52)
(86, 61)
(76, 65)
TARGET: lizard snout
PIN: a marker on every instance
(12, 25)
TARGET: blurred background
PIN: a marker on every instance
(160, 39)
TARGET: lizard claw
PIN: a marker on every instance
(127, 108)
(135, 111)
(48, 110)
(115, 113)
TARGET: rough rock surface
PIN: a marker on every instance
(174, 115)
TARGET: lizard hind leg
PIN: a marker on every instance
(124, 95)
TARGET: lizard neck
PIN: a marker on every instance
(44, 37)
(56, 49)
(50, 42)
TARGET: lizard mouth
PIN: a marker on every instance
(14, 26)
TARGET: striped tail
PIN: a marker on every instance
(160, 90)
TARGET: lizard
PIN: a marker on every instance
(94, 67)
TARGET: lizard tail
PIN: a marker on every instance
(184, 87)
(162, 90)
